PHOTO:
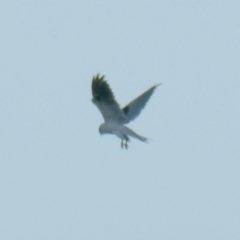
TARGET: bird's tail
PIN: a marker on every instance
(131, 133)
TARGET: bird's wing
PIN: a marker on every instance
(104, 99)
(133, 109)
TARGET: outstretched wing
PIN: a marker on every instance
(133, 109)
(104, 99)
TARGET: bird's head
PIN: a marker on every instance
(103, 129)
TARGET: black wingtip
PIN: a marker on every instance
(98, 78)
(101, 90)
(158, 84)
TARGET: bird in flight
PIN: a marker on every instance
(114, 117)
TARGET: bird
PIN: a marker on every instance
(115, 118)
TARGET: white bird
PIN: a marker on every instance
(115, 118)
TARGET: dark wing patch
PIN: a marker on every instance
(125, 110)
(133, 109)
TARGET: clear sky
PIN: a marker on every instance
(60, 179)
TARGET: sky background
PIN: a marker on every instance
(60, 179)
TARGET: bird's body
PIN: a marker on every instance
(114, 117)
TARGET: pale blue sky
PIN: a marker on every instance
(59, 179)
